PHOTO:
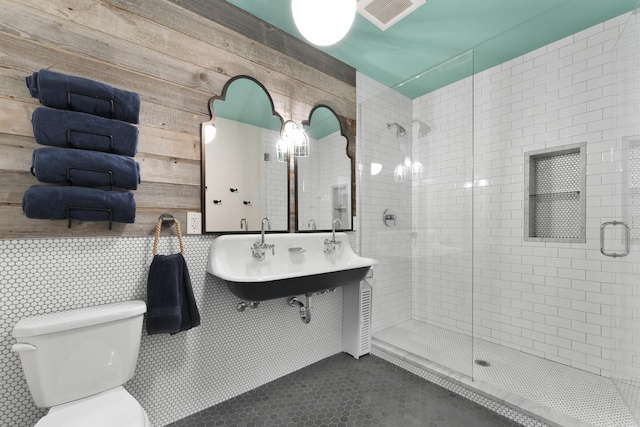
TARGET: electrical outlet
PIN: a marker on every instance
(194, 223)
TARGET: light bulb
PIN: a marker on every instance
(209, 133)
(323, 22)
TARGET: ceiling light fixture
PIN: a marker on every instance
(323, 22)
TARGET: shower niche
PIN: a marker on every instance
(555, 194)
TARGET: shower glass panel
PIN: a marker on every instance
(556, 321)
(625, 188)
(416, 164)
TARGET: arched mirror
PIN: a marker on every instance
(244, 176)
(323, 179)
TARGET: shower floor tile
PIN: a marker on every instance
(343, 391)
(574, 392)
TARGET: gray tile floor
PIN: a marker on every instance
(343, 391)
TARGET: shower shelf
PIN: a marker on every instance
(554, 208)
(559, 193)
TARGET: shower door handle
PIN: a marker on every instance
(627, 234)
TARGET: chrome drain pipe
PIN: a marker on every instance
(242, 305)
(304, 308)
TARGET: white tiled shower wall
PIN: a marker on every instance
(177, 375)
(549, 299)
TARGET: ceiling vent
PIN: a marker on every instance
(384, 13)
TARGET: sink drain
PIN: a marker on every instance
(482, 363)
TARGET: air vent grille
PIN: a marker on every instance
(385, 13)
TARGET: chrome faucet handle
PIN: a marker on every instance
(257, 252)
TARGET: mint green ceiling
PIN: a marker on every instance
(441, 30)
(246, 102)
(323, 122)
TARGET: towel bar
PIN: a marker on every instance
(102, 98)
(70, 208)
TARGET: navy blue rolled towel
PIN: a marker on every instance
(72, 129)
(171, 306)
(80, 203)
(73, 93)
(85, 168)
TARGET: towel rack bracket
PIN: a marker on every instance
(167, 220)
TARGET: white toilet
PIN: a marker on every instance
(76, 362)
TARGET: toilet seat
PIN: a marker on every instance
(115, 407)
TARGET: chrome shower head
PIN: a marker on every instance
(400, 131)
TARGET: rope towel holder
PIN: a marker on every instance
(166, 221)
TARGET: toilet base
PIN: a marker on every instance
(111, 408)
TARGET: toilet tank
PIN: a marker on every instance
(73, 354)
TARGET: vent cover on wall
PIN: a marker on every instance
(384, 13)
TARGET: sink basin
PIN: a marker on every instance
(299, 265)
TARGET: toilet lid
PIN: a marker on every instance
(115, 407)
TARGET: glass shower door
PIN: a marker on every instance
(623, 244)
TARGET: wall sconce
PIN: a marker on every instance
(282, 151)
(296, 139)
(400, 173)
(209, 133)
(323, 22)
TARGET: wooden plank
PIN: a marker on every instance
(162, 103)
(16, 153)
(196, 65)
(203, 28)
(183, 99)
(169, 170)
(155, 119)
(310, 86)
(148, 195)
(16, 121)
(21, 227)
(16, 157)
(237, 20)
(14, 184)
(169, 196)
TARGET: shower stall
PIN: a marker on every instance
(512, 266)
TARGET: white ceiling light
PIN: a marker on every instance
(323, 22)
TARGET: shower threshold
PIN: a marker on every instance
(528, 389)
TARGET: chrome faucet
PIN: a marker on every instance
(246, 224)
(333, 229)
(258, 249)
(262, 233)
(330, 246)
(311, 224)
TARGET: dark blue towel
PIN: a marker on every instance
(71, 129)
(82, 204)
(171, 305)
(85, 168)
(66, 92)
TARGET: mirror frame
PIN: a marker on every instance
(203, 167)
(350, 152)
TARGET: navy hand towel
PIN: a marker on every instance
(171, 305)
(85, 168)
(85, 204)
(73, 93)
(71, 129)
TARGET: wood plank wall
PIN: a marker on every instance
(176, 60)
